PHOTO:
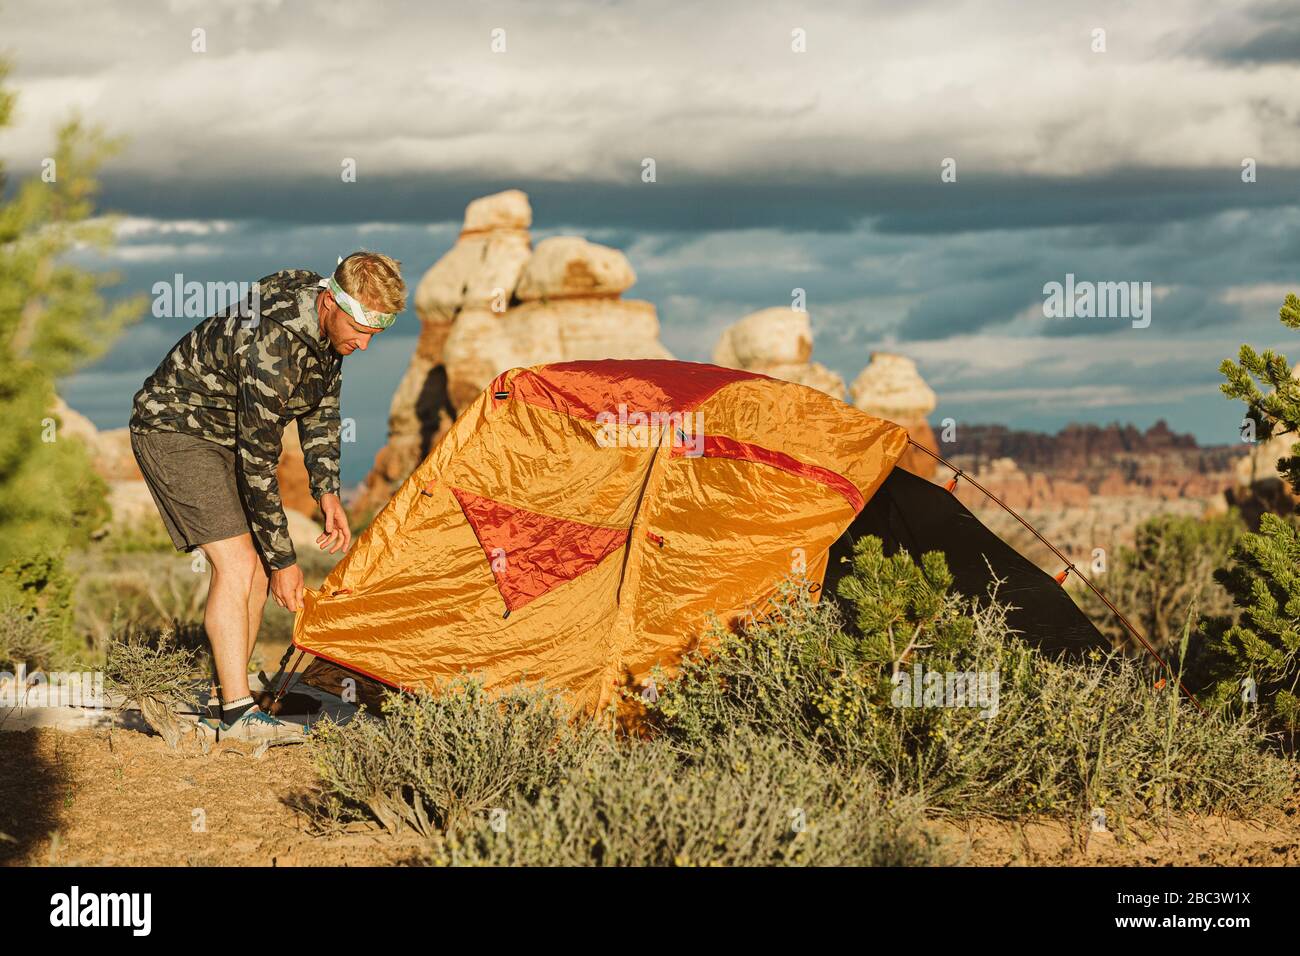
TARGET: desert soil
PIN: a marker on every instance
(121, 798)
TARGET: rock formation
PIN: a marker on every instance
(1013, 487)
(568, 266)
(493, 303)
(776, 342)
(567, 308)
(1088, 487)
(110, 451)
(291, 475)
(1110, 461)
(480, 271)
(890, 387)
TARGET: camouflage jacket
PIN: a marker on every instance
(238, 378)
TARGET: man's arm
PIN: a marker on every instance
(265, 384)
(319, 431)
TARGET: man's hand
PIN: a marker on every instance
(286, 587)
(337, 533)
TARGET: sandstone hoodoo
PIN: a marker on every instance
(565, 266)
(480, 271)
(776, 342)
(483, 266)
(890, 387)
(493, 302)
(567, 308)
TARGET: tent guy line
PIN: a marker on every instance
(958, 473)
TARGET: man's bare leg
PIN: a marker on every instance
(258, 591)
(234, 567)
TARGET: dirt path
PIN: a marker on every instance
(117, 798)
(1204, 841)
(121, 798)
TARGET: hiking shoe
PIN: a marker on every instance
(209, 714)
(253, 724)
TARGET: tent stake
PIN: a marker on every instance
(1069, 566)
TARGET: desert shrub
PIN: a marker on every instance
(796, 717)
(790, 674)
(1056, 737)
(24, 640)
(749, 801)
(1164, 577)
(39, 587)
(436, 759)
(151, 669)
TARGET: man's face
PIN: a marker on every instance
(344, 334)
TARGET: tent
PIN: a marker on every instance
(581, 522)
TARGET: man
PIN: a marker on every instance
(206, 430)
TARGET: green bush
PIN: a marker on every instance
(1263, 646)
(1256, 661)
(750, 801)
(53, 319)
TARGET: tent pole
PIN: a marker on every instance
(284, 684)
(1069, 566)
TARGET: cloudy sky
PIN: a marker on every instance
(775, 169)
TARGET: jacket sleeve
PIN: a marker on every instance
(266, 380)
(319, 431)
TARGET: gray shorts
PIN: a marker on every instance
(192, 481)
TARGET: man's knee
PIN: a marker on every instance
(235, 561)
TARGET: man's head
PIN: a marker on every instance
(372, 293)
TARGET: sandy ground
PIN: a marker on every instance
(117, 797)
(121, 798)
(1204, 841)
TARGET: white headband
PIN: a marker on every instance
(359, 313)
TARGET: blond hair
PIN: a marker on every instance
(373, 278)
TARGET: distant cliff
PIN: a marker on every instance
(1112, 460)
